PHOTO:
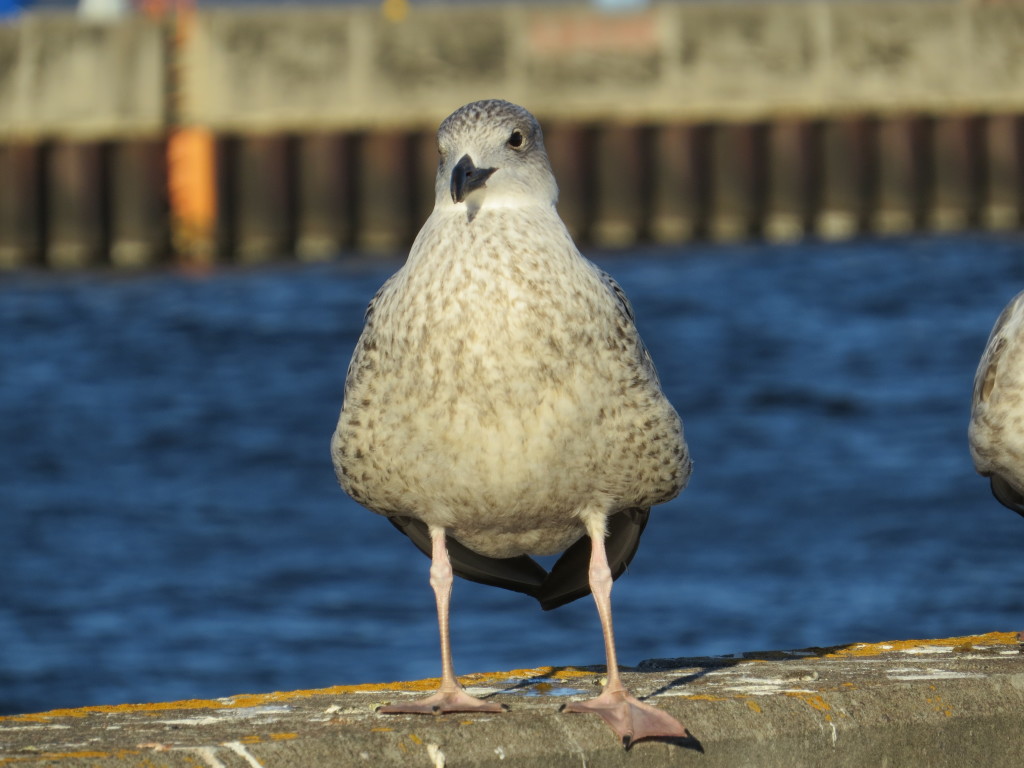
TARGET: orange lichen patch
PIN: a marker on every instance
(415, 739)
(753, 706)
(41, 717)
(242, 701)
(283, 736)
(813, 700)
(877, 649)
(558, 673)
(939, 705)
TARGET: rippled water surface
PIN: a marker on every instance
(172, 528)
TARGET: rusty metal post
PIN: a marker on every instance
(192, 151)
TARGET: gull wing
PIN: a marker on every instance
(569, 578)
(629, 318)
(1007, 495)
(519, 574)
(994, 348)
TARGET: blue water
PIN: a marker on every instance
(171, 526)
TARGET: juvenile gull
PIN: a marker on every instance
(996, 432)
(500, 403)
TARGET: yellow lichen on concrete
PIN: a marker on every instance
(939, 705)
(242, 701)
(968, 642)
(814, 700)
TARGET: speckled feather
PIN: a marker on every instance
(996, 432)
(500, 388)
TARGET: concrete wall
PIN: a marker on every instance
(310, 130)
(302, 69)
(278, 70)
(946, 703)
(60, 76)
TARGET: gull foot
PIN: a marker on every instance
(632, 720)
(442, 702)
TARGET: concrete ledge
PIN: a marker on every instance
(302, 68)
(951, 702)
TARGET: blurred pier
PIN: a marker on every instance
(253, 134)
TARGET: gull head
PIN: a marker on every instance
(492, 156)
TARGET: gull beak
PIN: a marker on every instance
(466, 178)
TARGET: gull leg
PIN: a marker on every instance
(630, 718)
(450, 697)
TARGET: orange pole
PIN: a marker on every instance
(191, 150)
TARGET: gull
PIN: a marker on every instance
(500, 403)
(996, 432)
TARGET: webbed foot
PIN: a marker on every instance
(630, 718)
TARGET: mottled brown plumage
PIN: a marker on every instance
(996, 432)
(500, 403)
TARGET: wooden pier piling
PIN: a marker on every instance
(21, 204)
(737, 181)
(323, 196)
(139, 232)
(793, 180)
(622, 175)
(76, 207)
(569, 148)
(956, 174)
(847, 159)
(679, 180)
(1004, 172)
(384, 199)
(263, 217)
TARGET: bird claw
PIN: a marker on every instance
(441, 703)
(631, 719)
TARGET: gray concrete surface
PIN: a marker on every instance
(275, 69)
(950, 702)
(61, 76)
(293, 68)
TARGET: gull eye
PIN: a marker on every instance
(516, 139)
